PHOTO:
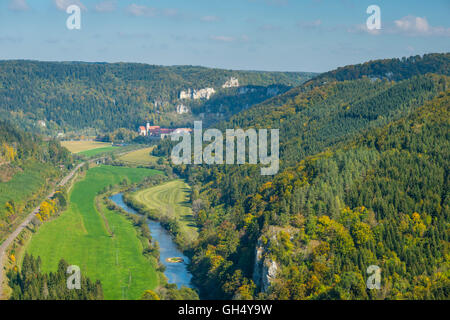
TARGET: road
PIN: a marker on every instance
(4, 246)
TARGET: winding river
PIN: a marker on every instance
(177, 273)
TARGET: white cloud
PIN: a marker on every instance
(105, 6)
(228, 39)
(223, 38)
(269, 27)
(362, 28)
(18, 5)
(170, 12)
(64, 4)
(418, 26)
(407, 26)
(316, 24)
(312, 24)
(209, 19)
(141, 11)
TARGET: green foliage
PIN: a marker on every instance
(30, 283)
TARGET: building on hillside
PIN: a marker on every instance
(153, 131)
(182, 130)
(165, 132)
(142, 131)
(158, 132)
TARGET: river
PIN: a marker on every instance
(177, 273)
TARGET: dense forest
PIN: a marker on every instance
(363, 181)
(72, 96)
(391, 69)
(30, 283)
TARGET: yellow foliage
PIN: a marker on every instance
(48, 208)
(150, 295)
(13, 258)
(9, 152)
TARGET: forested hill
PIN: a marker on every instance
(363, 181)
(391, 69)
(75, 95)
(380, 200)
(17, 146)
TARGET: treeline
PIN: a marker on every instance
(74, 96)
(17, 145)
(30, 283)
(391, 69)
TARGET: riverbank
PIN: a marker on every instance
(168, 203)
(176, 273)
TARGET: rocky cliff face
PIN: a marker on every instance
(265, 269)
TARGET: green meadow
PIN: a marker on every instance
(94, 152)
(80, 237)
(171, 199)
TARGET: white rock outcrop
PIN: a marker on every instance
(181, 109)
(205, 93)
(265, 269)
(231, 83)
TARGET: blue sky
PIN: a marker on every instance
(279, 35)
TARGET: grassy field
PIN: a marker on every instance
(94, 152)
(25, 184)
(81, 146)
(80, 237)
(171, 199)
(140, 157)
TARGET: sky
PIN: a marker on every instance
(272, 35)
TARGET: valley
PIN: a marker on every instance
(81, 237)
(362, 181)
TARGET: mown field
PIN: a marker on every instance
(171, 199)
(81, 146)
(80, 236)
(140, 157)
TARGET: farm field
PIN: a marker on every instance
(80, 237)
(139, 157)
(171, 199)
(96, 151)
(81, 146)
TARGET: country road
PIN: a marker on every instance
(4, 246)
